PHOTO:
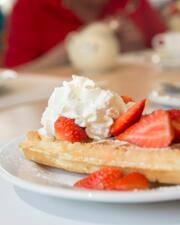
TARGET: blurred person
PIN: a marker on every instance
(38, 28)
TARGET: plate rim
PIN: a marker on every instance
(87, 195)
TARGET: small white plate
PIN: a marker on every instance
(58, 183)
(164, 99)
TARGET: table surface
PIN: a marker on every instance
(26, 88)
(130, 78)
(19, 206)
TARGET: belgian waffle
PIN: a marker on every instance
(157, 164)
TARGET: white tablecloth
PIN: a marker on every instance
(22, 207)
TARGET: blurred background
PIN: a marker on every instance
(29, 29)
(129, 46)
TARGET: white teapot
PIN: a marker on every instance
(93, 49)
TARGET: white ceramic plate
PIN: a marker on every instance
(58, 183)
(165, 99)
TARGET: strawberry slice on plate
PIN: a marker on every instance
(153, 130)
(103, 179)
(127, 99)
(67, 130)
(128, 118)
(113, 179)
(175, 121)
(132, 181)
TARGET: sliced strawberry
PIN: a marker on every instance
(153, 130)
(127, 99)
(132, 181)
(103, 179)
(175, 121)
(67, 130)
(128, 118)
(113, 179)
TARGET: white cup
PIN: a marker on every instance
(167, 44)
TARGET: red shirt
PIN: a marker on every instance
(38, 25)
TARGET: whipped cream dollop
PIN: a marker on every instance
(89, 105)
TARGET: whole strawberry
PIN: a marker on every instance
(67, 130)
